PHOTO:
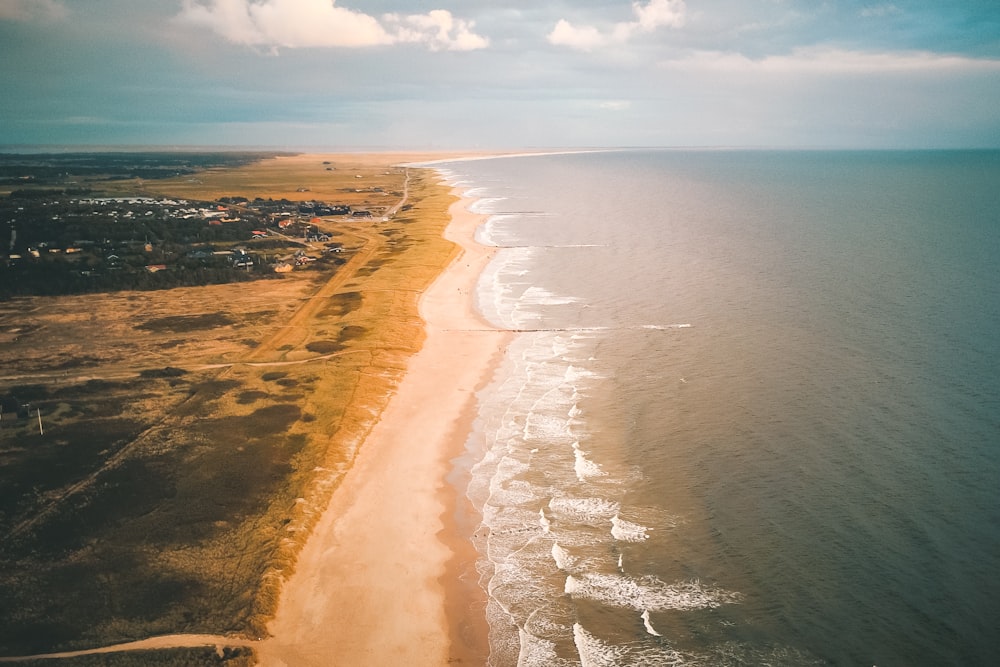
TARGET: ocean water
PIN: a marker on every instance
(751, 414)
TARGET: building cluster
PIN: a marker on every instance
(102, 239)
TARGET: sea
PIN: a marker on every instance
(751, 410)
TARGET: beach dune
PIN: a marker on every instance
(378, 581)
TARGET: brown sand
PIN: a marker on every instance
(377, 583)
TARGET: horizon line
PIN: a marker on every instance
(466, 153)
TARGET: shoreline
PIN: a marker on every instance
(385, 577)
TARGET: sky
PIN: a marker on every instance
(478, 74)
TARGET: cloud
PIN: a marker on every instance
(29, 10)
(825, 60)
(583, 39)
(659, 14)
(438, 29)
(648, 17)
(321, 23)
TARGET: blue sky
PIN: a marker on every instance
(450, 74)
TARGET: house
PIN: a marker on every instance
(154, 268)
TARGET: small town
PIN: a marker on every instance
(64, 242)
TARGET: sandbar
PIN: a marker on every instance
(379, 582)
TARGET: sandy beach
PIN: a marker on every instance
(379, 581)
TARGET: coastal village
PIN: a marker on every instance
(78, 240)
(72, 225)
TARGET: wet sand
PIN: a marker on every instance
(380, 582)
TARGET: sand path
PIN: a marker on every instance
(374, 584)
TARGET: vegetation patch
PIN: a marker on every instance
(351, 332)
(37, 472)
(230, 656)
(324, 346)
(213, 389)
(341, 304)
(166, 372)
(251, 396)
(186, 323)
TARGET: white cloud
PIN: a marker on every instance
(659, 14)
(584, 39)
(438, 29)
(648, 17)
(28, 10)
(826, 60)
(321, 23)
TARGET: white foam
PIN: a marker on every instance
(593, 652)
(646, 593)
(515, 492)
(585, 510)
(626, 531)
(562, 557)
(584, 467)
(546, 427)
(543, 521)
(485, 204)
(664, 327)
(576, 373)
(542, 297)
(499, 232)
(538, 652)
(648, 625)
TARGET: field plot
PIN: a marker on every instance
(164, 453)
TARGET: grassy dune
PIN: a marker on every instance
(193, 436)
